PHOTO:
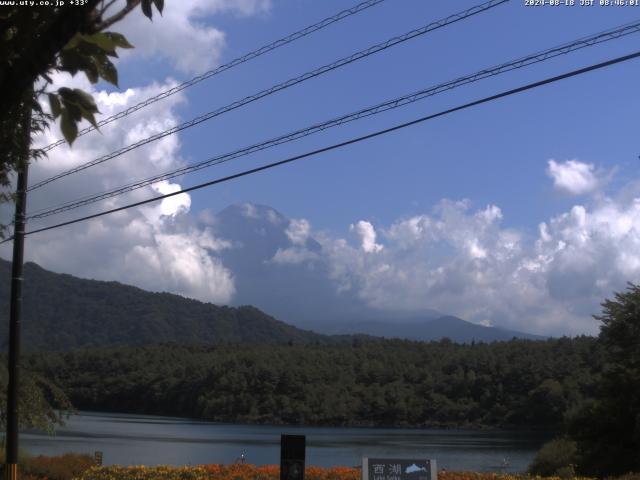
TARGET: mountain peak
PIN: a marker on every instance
(253, 212)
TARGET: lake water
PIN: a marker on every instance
(152, 440)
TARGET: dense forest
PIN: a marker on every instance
(63, 312)
(389, 382)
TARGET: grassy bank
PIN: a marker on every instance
(80, 467)
(267, 472)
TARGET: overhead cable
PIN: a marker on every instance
(227, 66)
(365, 112)
(336, 146)
(281, 86)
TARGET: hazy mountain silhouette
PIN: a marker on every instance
(62, 311)
(302, 294)
(448, 326)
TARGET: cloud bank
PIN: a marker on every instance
(181, 35)
(463, 261)
(156, 247)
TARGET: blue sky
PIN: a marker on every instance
(496, 153)
(519, 213)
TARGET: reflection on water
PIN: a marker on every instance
(151, 440)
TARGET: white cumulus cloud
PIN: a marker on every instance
(298, 231)
(172, 206)
(367, 235)
(293, 256)
(156, 247)
(573, 177)
(182, 34)
(464, 262)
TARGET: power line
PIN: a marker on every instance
(282, 86)
(227, 66)
(528, 60)
(347, 142)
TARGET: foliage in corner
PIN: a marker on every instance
(607, 428)
(34, 43)
(42, 404)
(556, 458)
(88, 54)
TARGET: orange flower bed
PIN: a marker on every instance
(265, 472)
(272, 472)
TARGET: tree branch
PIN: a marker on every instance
(118, 16)
(106, 7)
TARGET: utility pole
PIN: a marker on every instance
(15, 313)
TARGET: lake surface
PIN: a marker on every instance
(152, 440)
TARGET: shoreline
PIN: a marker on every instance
(365, 426)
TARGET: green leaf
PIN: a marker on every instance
(146, 9)
(77, 104)
(54, 102)
(119, 40)
(65, 93)
(78, 59)
(74, 42)
(89, 57)
(102, 40)
(70, 61)
(69, 127)
(108, 71)
(90, 118)
(159, 5)
(74, 111)
(85, 101)
(90, 69)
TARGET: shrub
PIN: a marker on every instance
(214, 472)
(556, 458)
(162, 472)
(627, 476)
(64, 467)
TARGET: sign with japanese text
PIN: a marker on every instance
(398, 469)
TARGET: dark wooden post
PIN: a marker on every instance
(15, 312)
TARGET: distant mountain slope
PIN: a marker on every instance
(300, 293)
(454, 328)
(62, 312)
(463, 331)
(305, 294)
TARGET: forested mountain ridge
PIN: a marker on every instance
(62, 311)
(383, 383)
